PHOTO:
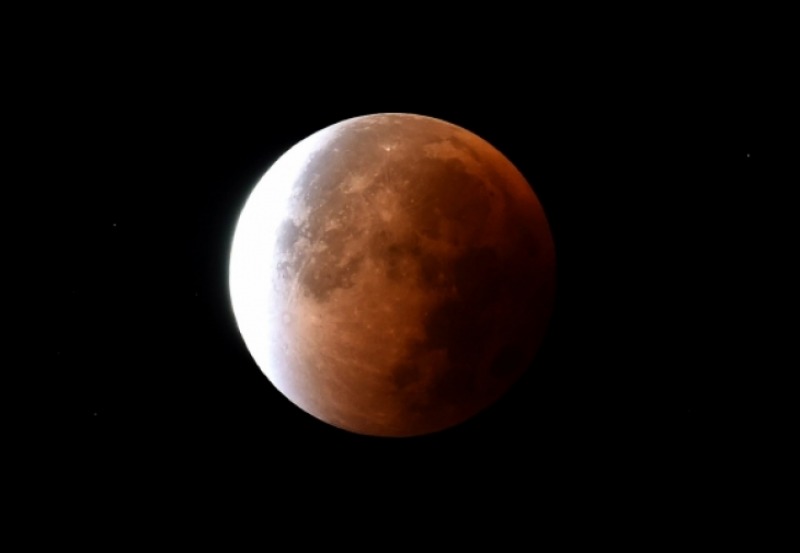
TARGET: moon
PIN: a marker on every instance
(392, 274)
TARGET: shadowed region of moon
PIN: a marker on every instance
(392, 274)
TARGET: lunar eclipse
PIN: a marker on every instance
(392, 274)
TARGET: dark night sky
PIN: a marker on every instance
(647, 166)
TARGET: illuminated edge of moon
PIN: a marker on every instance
(252, 259)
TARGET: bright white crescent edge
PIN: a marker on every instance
(252, 257)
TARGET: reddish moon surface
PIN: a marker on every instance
(392, 274)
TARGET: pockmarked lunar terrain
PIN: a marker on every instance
(392, 274)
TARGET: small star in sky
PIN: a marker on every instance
(94, 414)
(748, 155)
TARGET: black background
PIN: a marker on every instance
(651, 166)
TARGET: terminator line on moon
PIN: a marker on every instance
(392, 274)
